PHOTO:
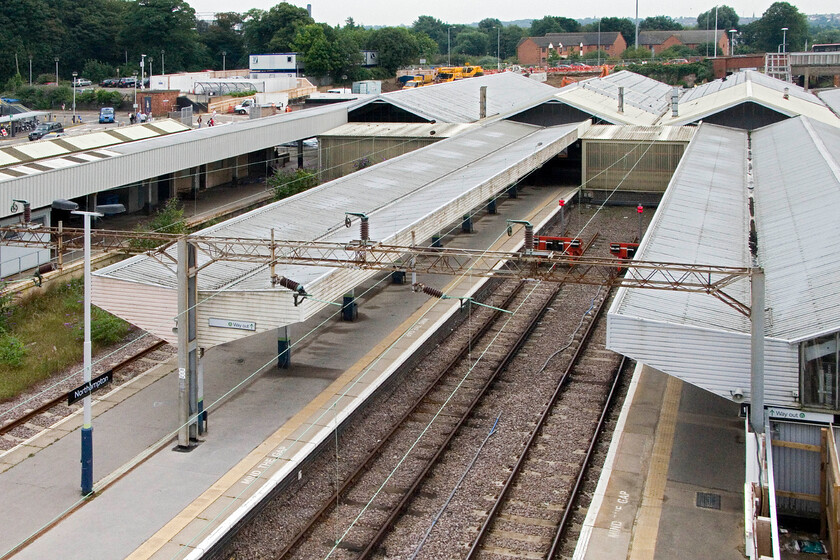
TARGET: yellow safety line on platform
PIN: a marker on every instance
(646, 528)
(169, 531)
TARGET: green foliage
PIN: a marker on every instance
(769, 33)
(601, 55)
(14, 83)
(248, 93)
(677, 51)
(827, 36)
(676, 74)
(12, 350)
(106, 329)
(553, 58)
(623, 25)
(287, 183)
(659, 23)
(169, 219)
(472, 43)
(398, 46)
(45, 78)
(633, 53)
(726, 19)
(274, 30)
(553, 24)
(96, 71)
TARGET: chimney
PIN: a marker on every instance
(620, 99)
(787, 93)
(675, 102)
(482, 102)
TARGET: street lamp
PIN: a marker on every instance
(56, 70)
(498, 38)
(162, 62)
(448, 48)
(784, 39)
(135, 94)
(142, 70)
(224, 60)
(732, 41)
(74, 95)
(716, 38)
(87, 428)
(30, 70)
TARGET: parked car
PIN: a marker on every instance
(106, 115)
(45, 128)
(109, 82)
(127, 82)
(81, 82)
(677, 61)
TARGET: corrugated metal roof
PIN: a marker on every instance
(588, 38)
(630, 133)
(395, 194)
(797, 174)
(832, 99)
(399, 130)
(702, 219)
(748, 86)
(42, 149)
(457, 102)
(645, 99)
(123, 164)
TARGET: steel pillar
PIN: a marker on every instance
(187, 347)
(757, 350)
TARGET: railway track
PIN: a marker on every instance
(30, 421)
(384, 507)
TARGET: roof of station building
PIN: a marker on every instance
(458, 101)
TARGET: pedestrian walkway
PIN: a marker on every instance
(672, 484)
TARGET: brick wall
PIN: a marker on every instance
(162, 102)
(529, 54)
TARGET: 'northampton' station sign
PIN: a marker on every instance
(95, 384)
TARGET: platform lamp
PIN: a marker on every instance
(87, 427)
(732, 33)
(784, 39)
(74, 95)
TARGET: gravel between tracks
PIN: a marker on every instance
(271, 529)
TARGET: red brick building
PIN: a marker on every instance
(658, 41)
(534, 51)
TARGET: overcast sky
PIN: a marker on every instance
(397, 12)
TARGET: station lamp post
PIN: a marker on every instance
(30, 70)
(498, 55)
(784, 39)
(56, 70)
(224, 60)
(448, 47)
(142, 70)
(732, 41)
(87, 427)
(135, 94)
(74, 95)
(162, 62)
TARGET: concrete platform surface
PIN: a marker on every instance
(674, 446)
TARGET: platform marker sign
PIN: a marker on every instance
(232, 324)
(95, 384)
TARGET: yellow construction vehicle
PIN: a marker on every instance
(452, 73)
(419, 80)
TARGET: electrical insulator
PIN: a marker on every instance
(365, 230)
(27, 213)
(529, 237)
(291, 284)
(418, 287)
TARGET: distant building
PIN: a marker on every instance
(534, 51)
(370, 58)
(274, 65)
(658, 41)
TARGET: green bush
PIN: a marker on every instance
(12, 350)
(45, 78)
(248, 93)
(169, 219)
(287, 183)
(105, 328)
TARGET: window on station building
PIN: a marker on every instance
(818, 366)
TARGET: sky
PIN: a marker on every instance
(399, 12)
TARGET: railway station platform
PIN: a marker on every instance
(672, 486)
(153, 502)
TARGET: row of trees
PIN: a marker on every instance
(104, 38)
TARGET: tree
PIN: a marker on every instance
(553, 58)
(152, 25)
(553, 24)
(315, 43)
(473, 43)
(434, 28)
(769, 34)
(224, 34)
(827, 36)
(511, 35)
(636, 54)
(659, 23)
(398, 46)
(273, 30)
(726, 19)
(623, 25)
